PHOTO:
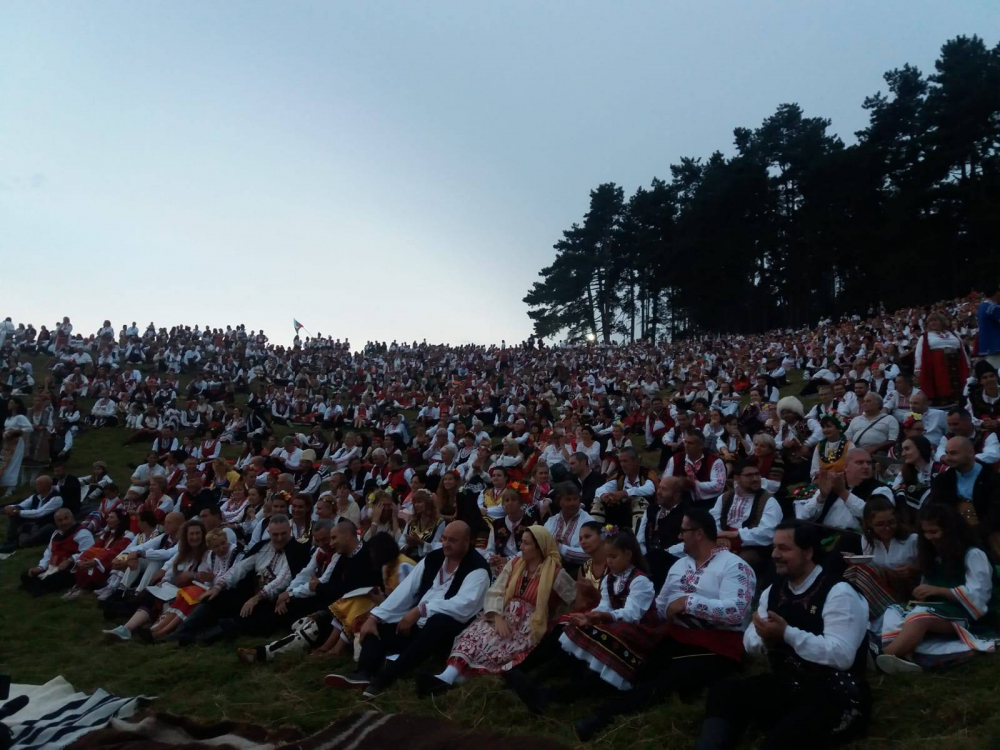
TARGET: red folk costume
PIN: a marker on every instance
(942, 366)
(106, 548)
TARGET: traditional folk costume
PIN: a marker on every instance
(658, 536)
(973, 591)
(879, 581)
(616, 650)
(702, 644)
(628, 513)
(817, 676)
(755, 517)
(12, 450)
(942, 366)
(566, 532)
(708, 474)
(490, 503)
(63, 546)
(526, 602)
(105, 549)
(830, 455)
(188, 597)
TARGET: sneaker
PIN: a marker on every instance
(894, 665)
(121, 633)
(375, 688)
(73, 593)
(357, 680)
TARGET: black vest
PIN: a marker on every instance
(980, 407)
(804, 611)
(756, 511)
(433, 562)
(863, 491)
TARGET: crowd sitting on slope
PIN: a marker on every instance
(543, 513)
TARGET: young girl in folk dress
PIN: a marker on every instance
(615, 637)
(830, 453)
(891, 575)
(954, 596)
(516, 615)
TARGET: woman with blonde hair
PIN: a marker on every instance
(518, 609)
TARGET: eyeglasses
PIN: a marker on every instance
(692, 528)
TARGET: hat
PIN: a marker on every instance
(309, 455)
(790, 403)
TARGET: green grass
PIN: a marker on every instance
(42, 638)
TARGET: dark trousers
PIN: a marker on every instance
(435, 637)
(788, 717)
(29, 532)
(672, 668)
(56, 582)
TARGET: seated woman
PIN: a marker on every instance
(891, 575)
(385, 517)
(189, 564)
(912, 486)
(953, 597)
(222, 556)
(94, 566)
(830, 454)
(733, 445)
(516, 615)
(612, 640)
(770, 464)
(593, 571)
(446, 496)
(236, 507)
(350, 614)
(423, 532)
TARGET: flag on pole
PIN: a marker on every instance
(297, 325)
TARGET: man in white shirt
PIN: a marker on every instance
(54, 571)
(565, 525)
(706, 604)
(874, 430)
(840, 500)
(935, 421)
(423, 615)
(960, 424)
(747, 516)
(813, 629)
(30, 521)
(623, 500)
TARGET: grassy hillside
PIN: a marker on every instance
(40, 639)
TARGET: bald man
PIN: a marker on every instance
(31, 521)
(423, 615)
(54, 570)
(660, 527)
(971, 481)
(840, 500)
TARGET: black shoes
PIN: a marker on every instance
(428, 684)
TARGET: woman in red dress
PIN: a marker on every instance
(94, 566)
(942, 364)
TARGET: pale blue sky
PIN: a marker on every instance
(381, 169)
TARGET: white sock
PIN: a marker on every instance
(451, 675)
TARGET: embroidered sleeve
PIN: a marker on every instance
(735, 596)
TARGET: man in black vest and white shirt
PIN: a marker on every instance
(840, 500)
(423, 615)
(812, 627)
(747, 516)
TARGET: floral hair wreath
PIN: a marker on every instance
(609, 531)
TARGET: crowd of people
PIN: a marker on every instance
(619, 522)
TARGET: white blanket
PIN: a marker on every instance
(57, 715)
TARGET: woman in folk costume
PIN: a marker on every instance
(912, 486)
(422, 534)
(892, 573)
(953, 601)
(592, 572)
(94, 566)
(490, 500)
(222, 556)
(349, 614)
(16, 430)
(830, 453)
(942, 364)
(516, 615)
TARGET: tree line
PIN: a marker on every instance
(797, 226)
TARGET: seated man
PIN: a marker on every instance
(31, 521)
(747, 516)
(340, 563)
(840, 500)
(985, 443)
(660, 528)
(703, 474)
(973, 488)
(423, 615)
(706, 604)
(813, 628)
(873, 429)
(565, 525)
(54, 571)
(622, 501)
(249, 608)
